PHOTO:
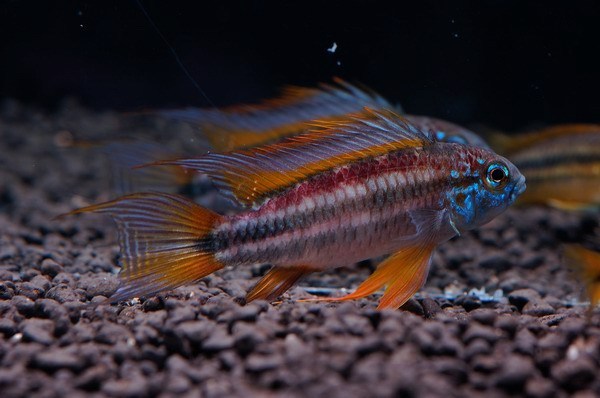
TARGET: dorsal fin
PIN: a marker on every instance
(253, 175)
(243, 126)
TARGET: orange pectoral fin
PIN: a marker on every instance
(276, 282)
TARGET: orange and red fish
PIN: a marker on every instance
(370, 185)
(561, 164)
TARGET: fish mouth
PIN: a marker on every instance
(518, 189)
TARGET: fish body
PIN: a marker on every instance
(561, 164)
(362, 210)
(369, 186)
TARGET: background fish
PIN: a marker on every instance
(248, 125)
(561, 164)
(363, 188)
(245, 126)
(587, 265)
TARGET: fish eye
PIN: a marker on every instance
(496, 175)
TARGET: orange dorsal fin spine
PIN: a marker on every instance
(164, 241)
(253, 175)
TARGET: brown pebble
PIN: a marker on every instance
(515, 371)
(522, 296)
(484, 316)
(50, 267)
(58, 358)
(38, 330)
(430, 307)
(574, 374)
(538, 307)
(538, 387)
(219, 340)
(476, 331)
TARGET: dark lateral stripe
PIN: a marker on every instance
(551, 161)
(255, 230)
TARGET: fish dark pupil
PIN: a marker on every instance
(497, 175)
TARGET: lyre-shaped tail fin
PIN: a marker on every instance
(165, 242)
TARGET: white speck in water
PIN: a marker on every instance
(455, 35)
(339, 63)
(79, 13)
(130, 342)
(452, 21)
(332, 48)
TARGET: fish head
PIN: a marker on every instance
(482, 185)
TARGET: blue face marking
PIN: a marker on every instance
(454, 174)
(483, 199)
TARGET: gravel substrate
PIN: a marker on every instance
(529, 336)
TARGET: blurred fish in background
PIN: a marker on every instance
(586, 264)
(249, 125)
(245, 126)
(561, 164)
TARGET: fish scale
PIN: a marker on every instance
(364, 187)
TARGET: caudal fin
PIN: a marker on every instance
(164, 239)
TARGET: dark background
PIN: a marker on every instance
(506, 64)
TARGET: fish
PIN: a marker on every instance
(561, 164)
(245, 126)
(367, 186)
(586, 263)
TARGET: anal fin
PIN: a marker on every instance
(276, 282)
(404, 273)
